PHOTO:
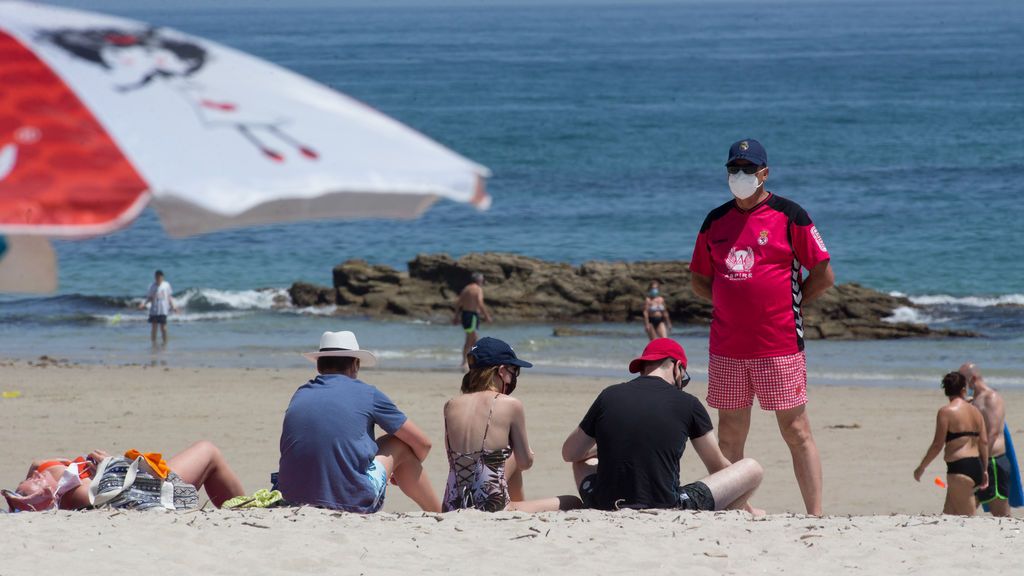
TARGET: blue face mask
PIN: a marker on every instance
(653, 292)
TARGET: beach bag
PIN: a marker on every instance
(140, 483)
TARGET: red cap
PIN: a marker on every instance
(659, 349)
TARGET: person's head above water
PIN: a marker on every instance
(158, 275)
(493, 365)
(954, 384)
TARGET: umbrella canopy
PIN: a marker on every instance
(101, 115)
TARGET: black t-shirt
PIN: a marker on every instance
(641, 429)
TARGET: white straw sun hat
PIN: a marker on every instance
(343, 344)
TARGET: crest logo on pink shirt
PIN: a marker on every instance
(739, 263)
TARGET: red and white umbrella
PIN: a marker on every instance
(100, 116)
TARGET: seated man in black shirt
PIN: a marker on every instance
(640, 429)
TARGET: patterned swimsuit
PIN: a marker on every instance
(477, 479)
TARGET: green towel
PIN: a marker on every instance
(262, 498)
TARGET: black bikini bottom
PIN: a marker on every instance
(968, 467)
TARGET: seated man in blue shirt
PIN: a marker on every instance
(329, 457)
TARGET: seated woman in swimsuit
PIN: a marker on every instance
(47, 482)
(485, 437)
(959, 427)
(656, 320)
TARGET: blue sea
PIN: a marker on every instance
(898, 125)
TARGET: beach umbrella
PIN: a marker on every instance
(101, 116)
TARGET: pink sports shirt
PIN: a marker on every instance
(755, 259)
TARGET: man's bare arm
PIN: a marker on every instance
(994, 413)
(483, 307)
(578, 446)
(709, 452)
(819, 279)
(701, 285)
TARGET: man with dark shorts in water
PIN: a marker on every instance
(990, 404)
(469, 307)
(160, 300)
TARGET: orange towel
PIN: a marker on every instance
(154, 459)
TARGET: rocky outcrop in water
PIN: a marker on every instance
(524, 289)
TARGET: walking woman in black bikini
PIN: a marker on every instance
(961, 428)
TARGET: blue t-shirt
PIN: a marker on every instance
(327, 442)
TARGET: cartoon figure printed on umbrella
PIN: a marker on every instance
(136, 59)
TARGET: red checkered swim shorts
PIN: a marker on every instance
(779, 382)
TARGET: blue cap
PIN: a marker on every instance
(750, 150)
(493, 352)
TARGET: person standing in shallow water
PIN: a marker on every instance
(656, 319)
(160, 300)
(749, 260)
(469, 308)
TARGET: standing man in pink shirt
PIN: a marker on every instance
(749, 260)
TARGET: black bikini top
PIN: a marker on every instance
(950, 436)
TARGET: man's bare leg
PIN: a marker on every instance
(731, 487)
(999, 507)
(163, 333)
(401, 463)
(467, 346)
(733, 426)
(795, 426)
(152, 333)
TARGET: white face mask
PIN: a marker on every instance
(743, 185)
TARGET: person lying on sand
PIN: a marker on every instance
(626, 451)
(959, 427)
(485, 437)
(100, 479)
(329, 457)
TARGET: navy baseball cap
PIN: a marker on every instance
(750, 150)
(493, 352)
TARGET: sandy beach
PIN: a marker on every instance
(870, 440)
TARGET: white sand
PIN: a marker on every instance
(65, 411)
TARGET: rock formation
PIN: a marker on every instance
(520, 288)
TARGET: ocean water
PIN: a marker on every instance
(898, 125)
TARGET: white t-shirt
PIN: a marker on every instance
(160, 299)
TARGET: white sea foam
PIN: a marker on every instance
(974, 301)
(115, 319)
(913, 316)
(265, 299)
(315, 310)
